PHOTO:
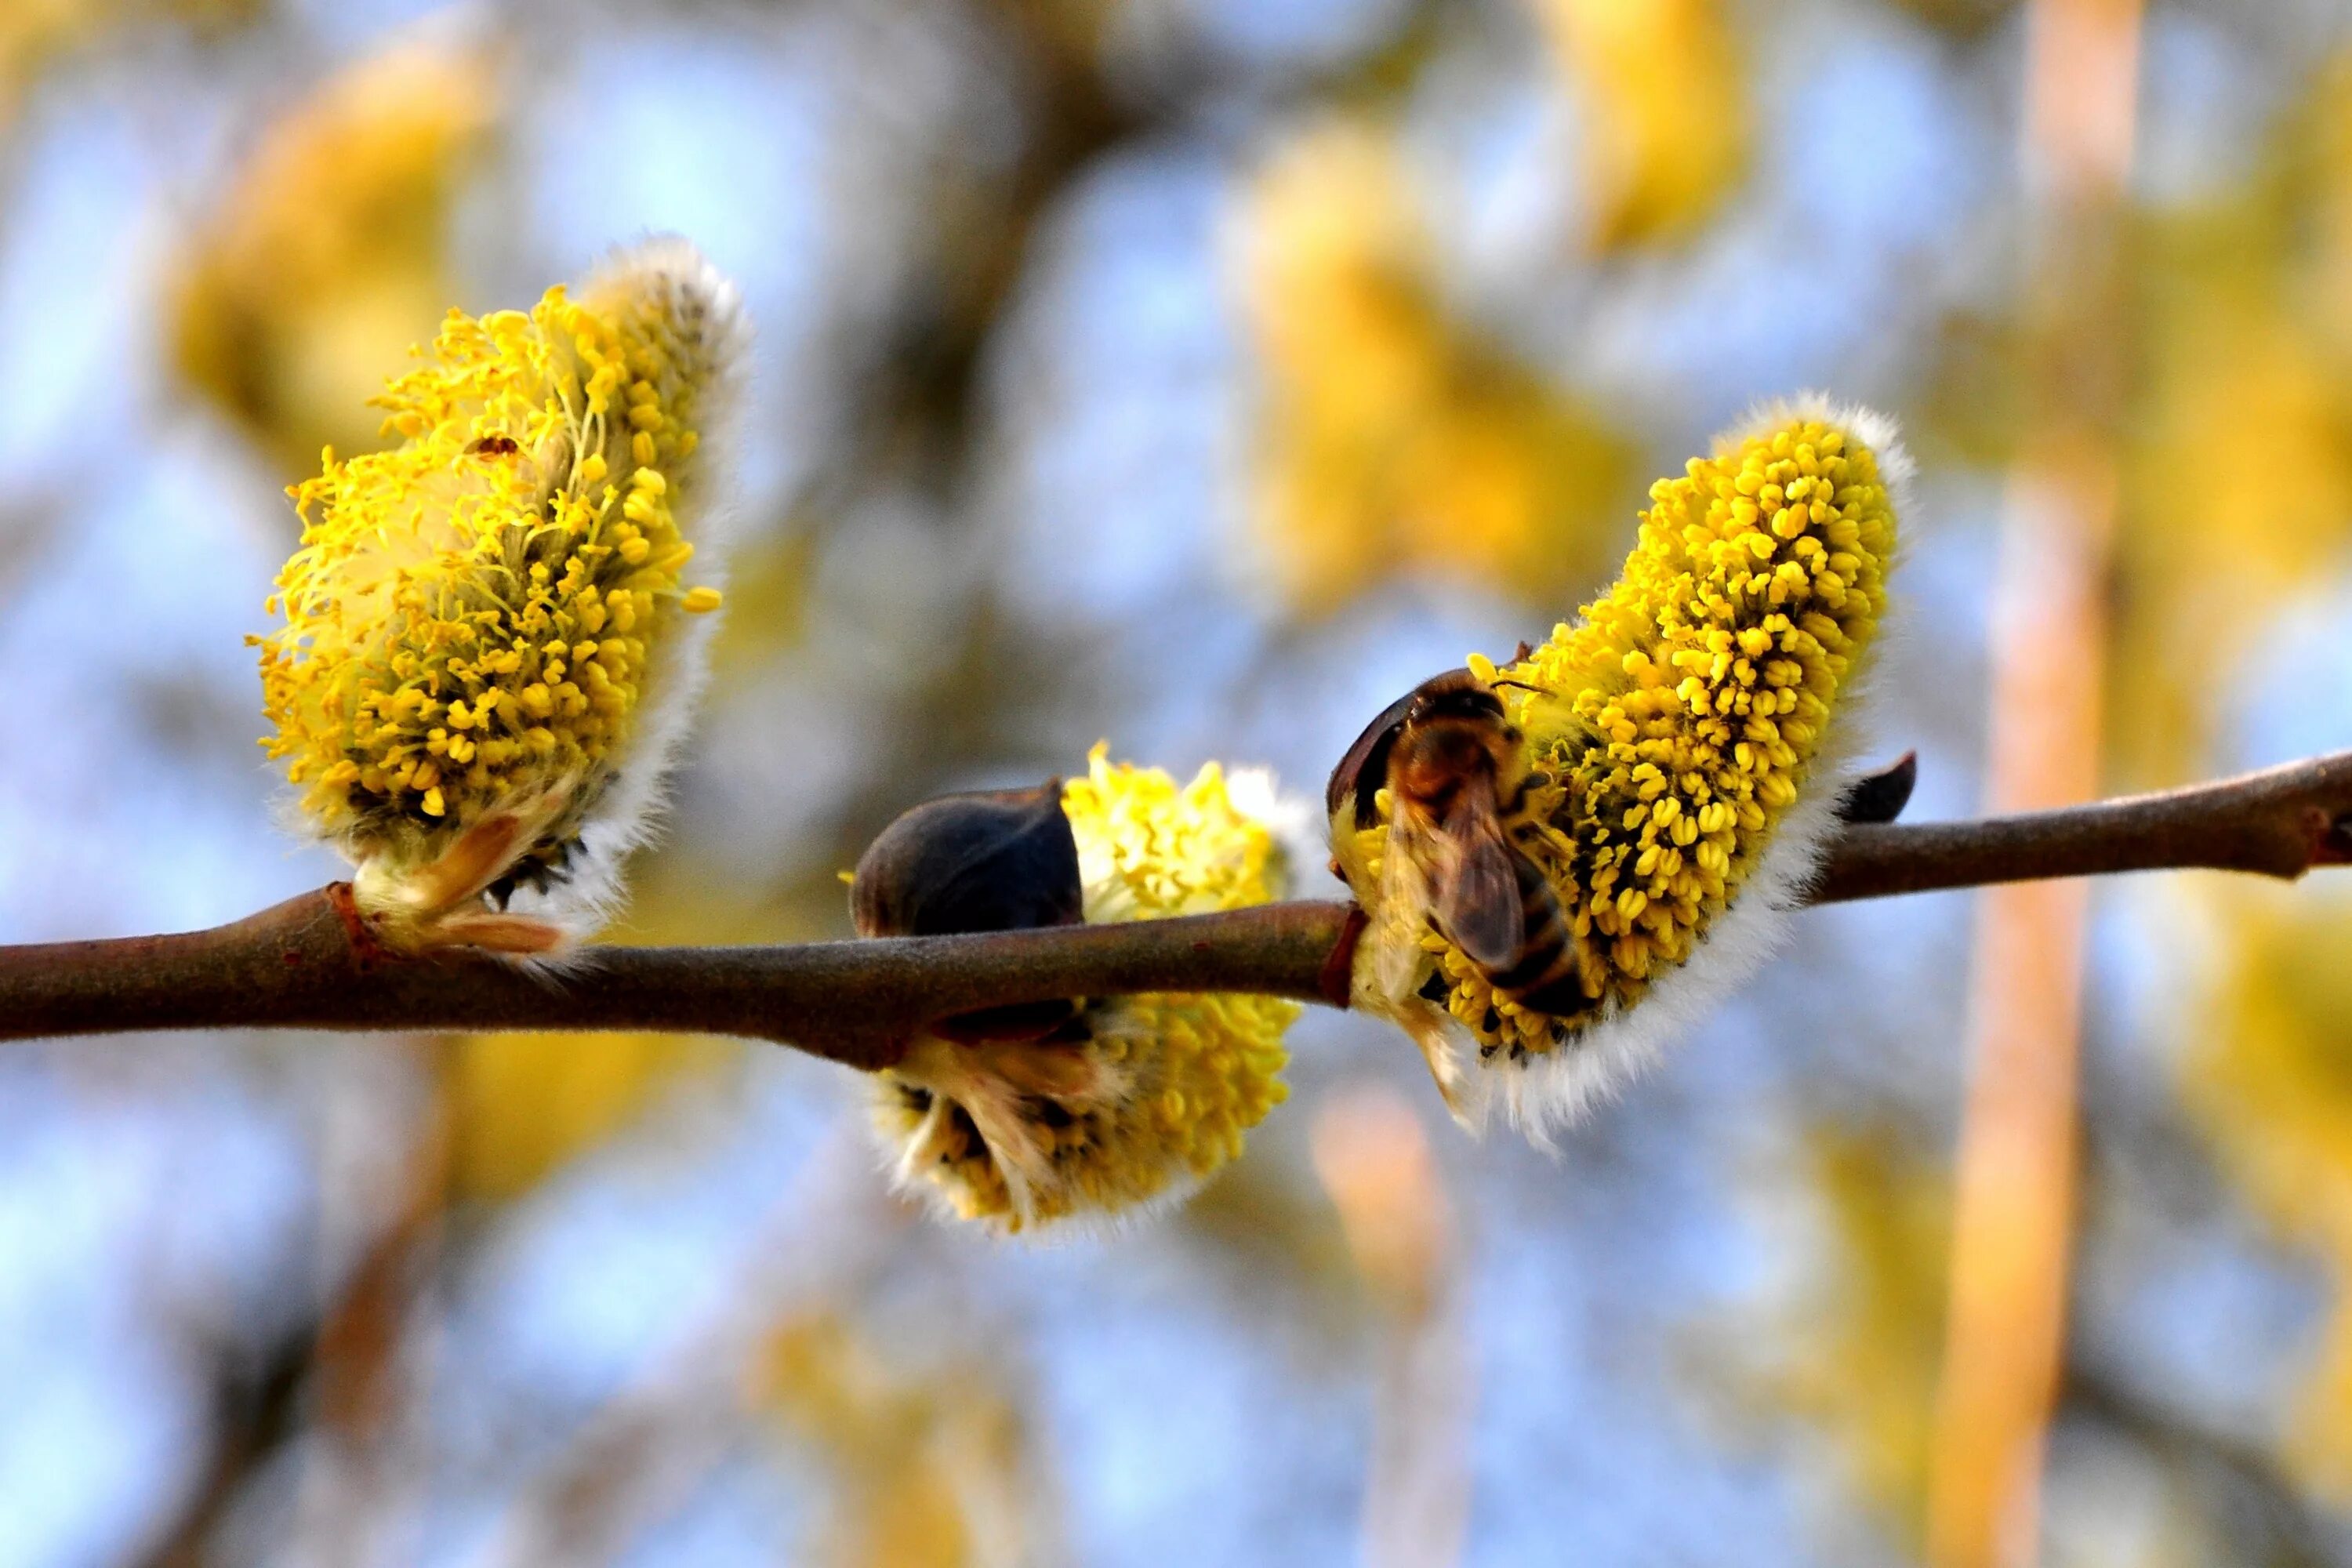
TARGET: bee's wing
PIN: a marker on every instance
(1476, 886)
(1401, 912)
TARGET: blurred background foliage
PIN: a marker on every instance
(1195, 374)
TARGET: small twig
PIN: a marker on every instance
(298, 966)
(2280, 822)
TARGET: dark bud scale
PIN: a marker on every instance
(995, 860)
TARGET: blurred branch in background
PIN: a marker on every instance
(337, 1399)
(927, 1451)
(2268, 1522)
(309, 962)
(2014, 1199)
(367, 1450)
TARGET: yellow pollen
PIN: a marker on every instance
(1756, 582)
(1172, 1081)
(468, 604)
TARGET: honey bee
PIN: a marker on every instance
(1457, 786)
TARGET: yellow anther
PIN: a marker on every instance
(1693, 698)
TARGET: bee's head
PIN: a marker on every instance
(1454, 694)
(1457, 694)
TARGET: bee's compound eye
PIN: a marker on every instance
(1004, 860)
(1365, 767)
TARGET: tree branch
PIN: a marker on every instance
(306, 962)
(2280, 822)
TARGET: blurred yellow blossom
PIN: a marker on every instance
(482, 657)
(522, 1105)
(1137, 1097)
(1665, 127)
(34, 34)
(329, 254)
(1855, 1347)
(2324, 292)
(1394, 442)
(929, 1460)
(2235, 384)
(1669, 742)
(2270, 1079)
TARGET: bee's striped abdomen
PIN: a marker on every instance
(1544, 976)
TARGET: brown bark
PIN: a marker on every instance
(300, 964)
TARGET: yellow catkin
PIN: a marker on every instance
(483, 650)
(1160, 1088)
(1675, 732)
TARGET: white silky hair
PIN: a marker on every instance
(1295, 821)
(984, 1099)
(626, 813)
(1549, 1093)
(628, 816)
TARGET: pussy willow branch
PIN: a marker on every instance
(306, 962)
